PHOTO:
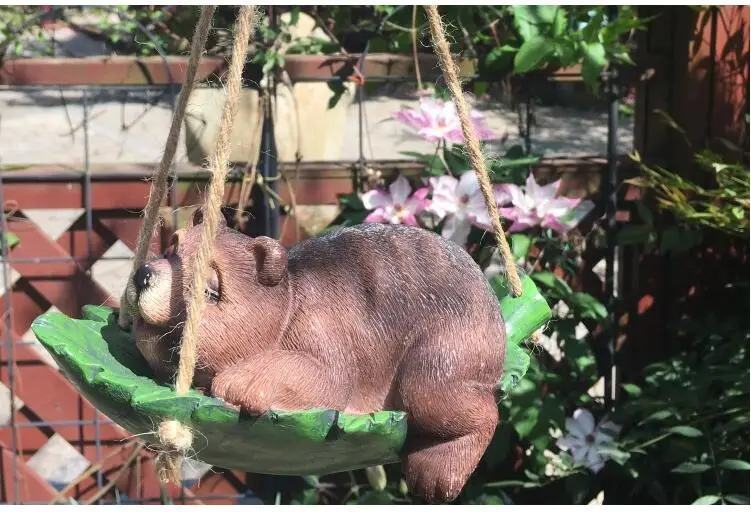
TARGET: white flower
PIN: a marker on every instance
(461, 202)
(585, 440)
(395, 206)
(538, 205)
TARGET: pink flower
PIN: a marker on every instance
(460, 201)
(436, 119)
(538, 206)
(395, 206)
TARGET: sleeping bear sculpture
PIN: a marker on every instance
(361, 319)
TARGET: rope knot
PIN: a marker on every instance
(174, 436)
(175, 439)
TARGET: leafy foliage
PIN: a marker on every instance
(724, 207)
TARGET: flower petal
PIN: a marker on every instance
(421, 193)
(376, 198)
(444, 185)
(444, 200)
(575, 216)
(550, 221)
(603, 438)
(517, 197)
(585, 420)
(418, 202)
(502, 195)
(409, 219)
(567, 443)
(511, 213)
(400, 190)
(468, 185)
(433, 133)
(457, 229)
(517, 227)
(580, 453)
(375, 217)
(610, 426)
(539, 193)
(595, 461)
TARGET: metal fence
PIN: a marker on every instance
(59, 273)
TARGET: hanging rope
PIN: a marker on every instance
(175, 438)
(451, 74)
(159, 180)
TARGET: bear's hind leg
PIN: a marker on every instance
(449, 433)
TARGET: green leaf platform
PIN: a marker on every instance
(102, 361)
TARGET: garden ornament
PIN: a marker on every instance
(368, 345)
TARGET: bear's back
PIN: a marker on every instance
(392, 266)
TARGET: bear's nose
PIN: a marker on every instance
(142, 278)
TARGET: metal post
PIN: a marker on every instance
(89, 248)
(9, 343)
(270, 173)
(608, 191)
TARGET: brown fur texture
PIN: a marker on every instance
(362, 319)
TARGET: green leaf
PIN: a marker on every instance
(480, 88)
(709, 499)
(435, 166)
(520, 245)
(498, 58)
(690, 468)
(658, 416)
(455, 159)
(351, 201)
(644, 213)
(376, 498)
(587, 306)
(735, 465)
(676, 240)
(593, 63)
(534, 20)
(736, 499)
(685, 431)
(515, 366)
(552, 282)
(11, 239)
(294, 16)
(591, 31)
(631, 389)
(634, 235)
(619, 457)
(532, 54)
(523, 316)
(337, 89)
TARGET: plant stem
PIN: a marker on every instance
(651, 441)
(714, 464)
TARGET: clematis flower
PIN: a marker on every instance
(460, 202)
(395, 206)
(436, 119)
(538, 206)
(586, 441)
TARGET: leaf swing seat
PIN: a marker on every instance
(101, 360)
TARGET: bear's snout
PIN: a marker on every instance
(153, 283)
(142, 278)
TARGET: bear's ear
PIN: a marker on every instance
(197, 218)
(271, 260)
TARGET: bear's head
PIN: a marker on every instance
(245, 300)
